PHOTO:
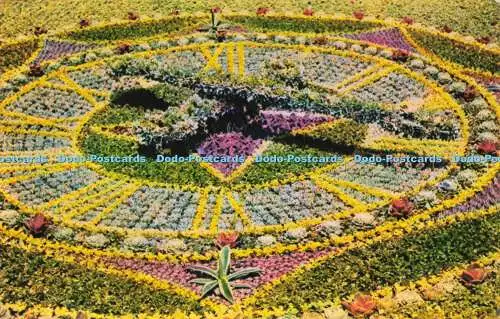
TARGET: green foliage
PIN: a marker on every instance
(116, 115)
(342, 132)
(265, 23)
(221, 279)
(97, 144)
(387, 263)
(463, 54)
(262, 172)
(14, 55)
(171, 94)
(135, 30)
(180, 173)
(34, 279)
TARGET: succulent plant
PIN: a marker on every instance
(473, 275)
(96, 241)
(308, 11)
(262, 11)
(401, 207)
(266, 240)
(9, 217)
(487, 147)
(172, 245)
(227, 239)
(359, 15)
(63, 233)
(362, 305)
(37, 224)
(221, 279)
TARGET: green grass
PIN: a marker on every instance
(466, 16)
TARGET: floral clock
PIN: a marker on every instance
(147, 160)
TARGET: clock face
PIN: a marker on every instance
(243, 136)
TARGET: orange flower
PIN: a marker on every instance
(84, 23)
(447, 29)
(400, 55)
(216, 10)
(132, 16)
(262, 11)
(474, 275)
(40, 31)
(359, 15)
(401, 207)
(227, 239)
(362, 305)
(308, 11)
(407, 20)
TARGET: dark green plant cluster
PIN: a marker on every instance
(267, 23)
(460, 53)
(135, 30)
(344, 132)
(34, 279)
(14, 55)
(387, 263)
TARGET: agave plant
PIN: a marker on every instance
(220, 280)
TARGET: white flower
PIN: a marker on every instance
(63, 233)
(444, 78)
(172, 245)
(487, 136)
(136, 243)
(333, 227)
(296, 233)
(9, 217)
(364, 219)
(340, 45)
(96, 241)
(357, 48)
(466, 177)
(417, 63)
(266, 240)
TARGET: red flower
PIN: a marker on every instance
(487, 147)
(37, 224)
(408, 20)
(473, 275)
(35, 70)
(132, 16)
(359, 15)
(221, 35)
(470, 94)
(362, 305)
(39, 31)
(227, 239)
(308, 11)
(262, 11)
(447, 29)
(216, 10)
(320, 40)
(401, 207)
(400, 55)
(84, 23)
(123, 48)
(484, 40)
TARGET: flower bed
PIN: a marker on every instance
(323, 116)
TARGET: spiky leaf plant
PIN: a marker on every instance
(221, 278)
